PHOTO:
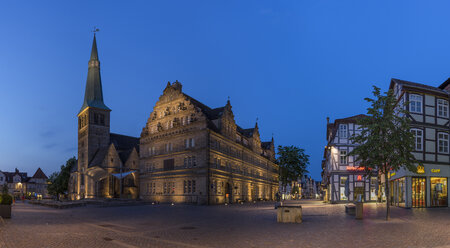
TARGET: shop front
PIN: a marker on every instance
(348, 186)
(426, 188)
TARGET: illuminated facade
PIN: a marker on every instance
(19, 184)
(195, 154)
(429, 113)
(187, 152)
(342, 179)
(108, 163)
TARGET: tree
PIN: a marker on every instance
(385, 140)
(292, 162)
(5, 189)
(59, 181)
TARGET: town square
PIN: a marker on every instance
(225, 124)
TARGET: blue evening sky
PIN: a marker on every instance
(289, 63)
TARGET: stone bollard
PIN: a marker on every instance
(289, 214)
(359, 210)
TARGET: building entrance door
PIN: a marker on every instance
(358, 191)
(228, 192)
(419, 192)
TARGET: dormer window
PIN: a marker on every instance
(415, 103)
(343, 131)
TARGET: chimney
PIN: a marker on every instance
(328, 120)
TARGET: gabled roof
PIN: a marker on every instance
(444, 84)
(98, 157)
(124, 146)
(266, 145)
(248, 132)
(123, 142)
(332, 127)
(418, 85)
(40, 174)
(10, 176)
(351, 119)
(210, 113)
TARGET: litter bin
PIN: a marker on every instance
(359, 208)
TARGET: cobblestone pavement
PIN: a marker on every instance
(248, 225)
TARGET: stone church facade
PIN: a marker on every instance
(108, 163)
(187, 153)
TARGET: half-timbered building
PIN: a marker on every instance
(342, 179)
(429, 113)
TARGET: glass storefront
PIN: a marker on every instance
(439, 193)
(419, 191)
(373, 189)
(342, 182)
(401, 194)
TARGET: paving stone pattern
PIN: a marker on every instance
(248, 225)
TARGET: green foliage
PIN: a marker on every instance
(5, 189)
(59, 181)
(385, 140)
(6, 199)
(293, 162)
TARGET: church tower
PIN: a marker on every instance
(93, 123)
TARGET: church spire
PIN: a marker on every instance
(93, 96)
(94, 53)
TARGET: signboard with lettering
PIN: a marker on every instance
(420, 169)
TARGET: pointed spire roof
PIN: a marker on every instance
(93, 96)
(94, 52)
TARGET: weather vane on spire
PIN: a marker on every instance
(95, 30)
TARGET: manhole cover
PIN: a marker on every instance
(187, 227)
(107, 239)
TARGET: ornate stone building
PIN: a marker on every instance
(108, 163)
(187, 152)
(193, 153)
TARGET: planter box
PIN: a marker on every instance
(5, 211)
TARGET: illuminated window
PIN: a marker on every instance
(415, 103)
(418, 139)
(443, 142)
(343, 157)
(343, 131)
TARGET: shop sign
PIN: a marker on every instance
(435, 170)
(392, 174)
(352, 168)
(420, 169)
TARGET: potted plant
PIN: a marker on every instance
(5, 203)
